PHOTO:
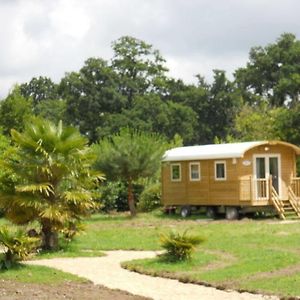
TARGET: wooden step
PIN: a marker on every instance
(286, 208)
(289, 208)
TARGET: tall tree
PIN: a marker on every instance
(272, 72)
(90, 93)
(140, 68)
(52, 179)
(196, 98)
(225, 102)
(128, 156)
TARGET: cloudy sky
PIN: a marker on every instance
(51, 37)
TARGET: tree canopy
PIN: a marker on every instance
(133, 89)
(273, 72)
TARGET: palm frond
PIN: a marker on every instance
(43, 188)
(77, 196)
(54, 213)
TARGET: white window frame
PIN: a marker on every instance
(199, 171)
(218, 162)
(267, 161)
(176, 165)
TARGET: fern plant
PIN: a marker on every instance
(17, 246)
(179, 246)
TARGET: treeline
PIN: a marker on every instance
(134, 90)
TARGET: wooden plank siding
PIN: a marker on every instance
(203, 192)
(236, 190)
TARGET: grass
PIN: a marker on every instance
(38, 274)
(233, 256)
(288, 284)
(256, 255)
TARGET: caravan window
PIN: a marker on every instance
(220, 170)
(175, 172)
(194, 171)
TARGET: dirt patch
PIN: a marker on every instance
(284, 272)
(13, 290)
(225, 260)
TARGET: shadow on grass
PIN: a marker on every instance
(107, 217)
(194, 216)
(69, 249)
(13, 267)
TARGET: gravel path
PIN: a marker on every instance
(106, 270)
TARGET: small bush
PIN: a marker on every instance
(17, 246)
(72, 229)
(178, 246)
(150, 197)
(114, 196)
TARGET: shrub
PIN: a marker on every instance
(114, 195)
(150, 197)
(17, 246)
(178, 246)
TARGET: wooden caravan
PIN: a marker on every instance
(234, 178)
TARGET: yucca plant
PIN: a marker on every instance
(179, 246)
(53, 180)
(17, 245)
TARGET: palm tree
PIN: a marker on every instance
(53, 180)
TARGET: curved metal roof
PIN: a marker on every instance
(218, 151)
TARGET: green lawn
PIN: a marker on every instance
(256, 255)
(38, 274)
(247, 254)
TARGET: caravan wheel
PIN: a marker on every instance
(185, 211)
(232, 213)
(211, 212)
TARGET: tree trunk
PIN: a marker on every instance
(49, 236)
(131, 199)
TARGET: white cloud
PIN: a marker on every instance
(70, 18)
(50, 38)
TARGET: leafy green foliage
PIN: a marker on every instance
(288, 124)
(52, 110)
(133, 90)
(39, 89)
(15, 110)
(91, 93)
(140, 68)
(273, 72)
(179, 246)
(128, 156)
(258, 123)
(17, 245)
(53, 181)
(114, 195)
(150, 197)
